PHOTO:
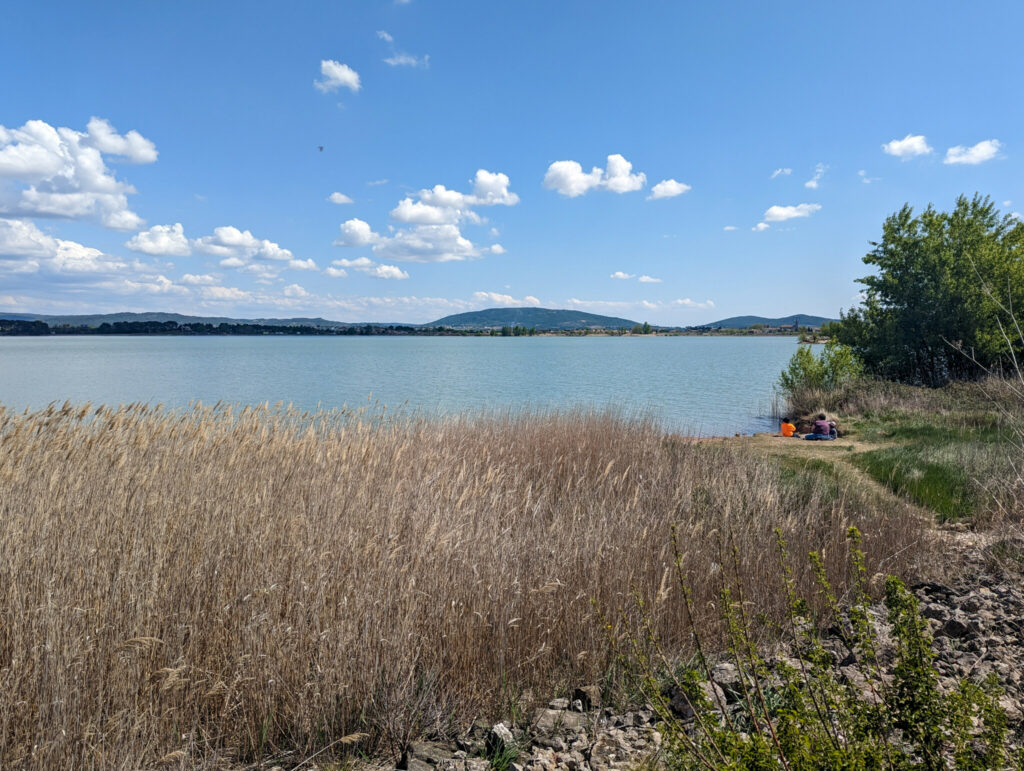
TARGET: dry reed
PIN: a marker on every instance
(218, 585)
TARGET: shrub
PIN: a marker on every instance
(836, 366)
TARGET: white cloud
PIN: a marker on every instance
(59, 172)
(668, 188)
(407, 60)
(568, 178)
(781, 172)
(911, 145)
(619, 274)
(339, 198)
(783, 213)
(865, 178)
(435, 216)
(1014, 215)
(336, 75)
(649, 280)
(204, 279)
(688, 303)
(730, 227)
(163, 240)
(1007, 203)
(241, 249)
(295, 291)
(495, 298)
(385, 36)
(356, 232)
(375, 182)
(224, 294)
(419, 213)
(368, 266)
(819, 172)
(985, 150)
(25, 249)
(133, 146)
(761, 226)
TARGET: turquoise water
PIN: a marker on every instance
(701, 385)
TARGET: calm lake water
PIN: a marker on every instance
(701, 385)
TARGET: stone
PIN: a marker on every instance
(434, 754)
(589, 695)
(558, 704)
(547, 721)
(415, 764)
(499, 740)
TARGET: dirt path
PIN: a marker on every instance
(840, 453)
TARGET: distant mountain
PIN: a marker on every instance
(94, 320)
(538, 318)
(744, 322)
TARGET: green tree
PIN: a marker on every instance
(836, 365)
(941, 277)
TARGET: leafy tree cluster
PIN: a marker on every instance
(944, 284)
(836, 366)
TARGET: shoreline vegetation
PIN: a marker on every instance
(25, 328)
(229, 582)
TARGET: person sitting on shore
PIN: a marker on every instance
(822, 429)
(787, 428)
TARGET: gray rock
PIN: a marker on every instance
(434, 754)
(499, 740)
(590, 695)
(558, 704)
(415, 764)
(547, 721)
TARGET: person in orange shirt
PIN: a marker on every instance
(787, 428)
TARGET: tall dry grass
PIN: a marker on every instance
(215, 585)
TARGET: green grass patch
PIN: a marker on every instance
(943, 488)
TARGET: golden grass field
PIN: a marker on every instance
(214, 585)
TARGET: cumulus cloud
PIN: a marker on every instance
(619, 274)
(224, 294)
(649, 280)
(434, 216)
(781, 172)
(569, 179)
(985, 150)
(367, 266)
(400, 58)
(408, 60)
(25, 249)
(668, 188)
(60, 172)
(241, 249)
(730, 227)
(295, 291)
(339, 198)
(163, 240)
(495, 298)
(783, 213)
(760, 226)
(819, 172)
(865, 178)
(686, 302)
(911, 145)
(203, 279)
(336, 75)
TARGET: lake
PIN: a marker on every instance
(701, 385)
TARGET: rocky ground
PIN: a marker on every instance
(978, 627)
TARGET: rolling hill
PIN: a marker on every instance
(744, 322)
(538, 318)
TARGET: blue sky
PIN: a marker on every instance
(669, 162)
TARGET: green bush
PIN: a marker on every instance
(806, 712)
(836, 366)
